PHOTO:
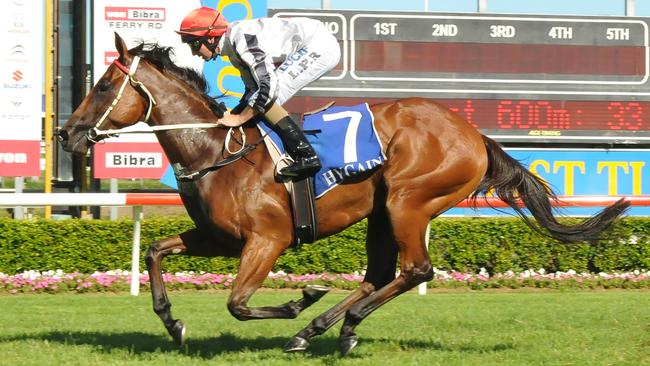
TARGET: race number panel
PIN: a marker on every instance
(517, 78)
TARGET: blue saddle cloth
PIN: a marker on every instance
(346, 143)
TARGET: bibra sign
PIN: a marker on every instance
(129, 160)
(134, 160)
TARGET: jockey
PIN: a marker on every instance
(276, 58)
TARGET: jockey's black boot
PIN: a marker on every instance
(305, 160)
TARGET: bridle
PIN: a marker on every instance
(96, 132)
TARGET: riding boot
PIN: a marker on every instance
(305, 159)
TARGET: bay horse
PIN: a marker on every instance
(435, 159)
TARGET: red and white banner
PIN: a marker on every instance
(129, 160)
(21, 87)
(20, 158)
(151, 21)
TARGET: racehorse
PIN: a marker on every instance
(434, 159)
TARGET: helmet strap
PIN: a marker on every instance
(212, 47)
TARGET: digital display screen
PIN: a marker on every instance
(498, 58)
(517, 78)
(526, 115)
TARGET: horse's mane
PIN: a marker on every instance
(159, 56)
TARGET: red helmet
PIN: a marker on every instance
(203, 22)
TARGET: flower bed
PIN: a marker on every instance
(119, 280)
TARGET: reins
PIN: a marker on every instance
(143, 127)
(96, 132)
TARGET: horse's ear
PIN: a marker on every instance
(120, 46)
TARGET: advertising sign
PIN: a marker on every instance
(129, 158)
(136, 21)
(21, 87)
(580, 172)
(154, 21)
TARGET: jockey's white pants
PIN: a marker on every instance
(307, 64)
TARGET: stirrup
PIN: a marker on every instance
(302, 167)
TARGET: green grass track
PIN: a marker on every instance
(502, 328)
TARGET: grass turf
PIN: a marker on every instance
(444, 328)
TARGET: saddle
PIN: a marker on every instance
(346, 142)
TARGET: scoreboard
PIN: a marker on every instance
(517, 78)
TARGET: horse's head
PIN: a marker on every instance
(133, 84)
(116, 101)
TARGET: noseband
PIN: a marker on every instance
(95, 132)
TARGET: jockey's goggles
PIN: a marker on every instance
(195, 44)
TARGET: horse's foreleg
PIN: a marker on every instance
(257, 260)
(191, 242)
(382, 258)
(161, 305)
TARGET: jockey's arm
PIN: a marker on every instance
(236, 120)
(273, 115)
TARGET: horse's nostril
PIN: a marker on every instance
(62, 135)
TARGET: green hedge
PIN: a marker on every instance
(464, 244)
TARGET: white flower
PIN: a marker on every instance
(483, 272)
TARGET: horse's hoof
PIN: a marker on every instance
(178, 333)
(348, 343)
(296, 344)
(315, 292)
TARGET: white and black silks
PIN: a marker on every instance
(278, 56)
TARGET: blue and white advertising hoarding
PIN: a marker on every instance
(583, 172)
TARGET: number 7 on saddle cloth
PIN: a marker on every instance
(346, 143)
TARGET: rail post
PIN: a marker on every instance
(422, 288)
(135, 252)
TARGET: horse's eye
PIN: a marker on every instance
(103, 85)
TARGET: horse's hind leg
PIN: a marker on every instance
(191, 242)
(415, 268)
(257, 260)
(382, 258)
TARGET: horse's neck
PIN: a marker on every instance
(190, 148)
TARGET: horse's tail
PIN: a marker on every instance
(510, 181)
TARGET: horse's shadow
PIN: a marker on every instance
(208, 348)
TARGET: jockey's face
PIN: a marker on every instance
(199, 48)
